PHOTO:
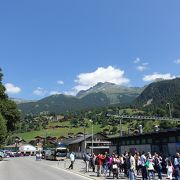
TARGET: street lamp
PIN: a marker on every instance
(84, 139)
(140, 129)
(170, 114)
(16, 144)
(92, 135)
(120, 122)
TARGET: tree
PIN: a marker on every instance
(8, 108)
(3, 129)
(114, 129)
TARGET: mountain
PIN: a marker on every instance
(62, 103)
(161, 95)
(100, 95)
(115, 93)
(20, 101)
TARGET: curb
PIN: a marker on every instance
(74, 172)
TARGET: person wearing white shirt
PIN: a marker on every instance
(72, 159)
(143, 167)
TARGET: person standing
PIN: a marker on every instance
(105, 164)
(93, 158)
(87, 158)
(177, 166)
(157, 165)
(132, 167)
(72, 159)
(115, 166)
(169, 169)
(150, 167)
(143, 167)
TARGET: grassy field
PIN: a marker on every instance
(58, 131)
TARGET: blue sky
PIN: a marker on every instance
(63, 46)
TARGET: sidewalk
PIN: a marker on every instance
(79, 168)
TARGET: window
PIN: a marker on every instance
(123, 142)
(137, 141)
(164, 140)
(143, 141)
(178, 138)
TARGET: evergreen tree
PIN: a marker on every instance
(3, 129)
(8, 108)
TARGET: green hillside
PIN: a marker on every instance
(158, 97)
(57, 132)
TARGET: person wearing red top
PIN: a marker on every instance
(100, 157)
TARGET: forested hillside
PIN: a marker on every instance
(161, 98)
(9, 114)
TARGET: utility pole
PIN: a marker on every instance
(169, 106)
(92, 136)
(84, 139)
(120, 124)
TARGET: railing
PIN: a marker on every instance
(146, 117)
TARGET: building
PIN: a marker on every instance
(27, 149)
(83, 143)
(166, 142)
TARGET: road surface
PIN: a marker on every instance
(26, 168)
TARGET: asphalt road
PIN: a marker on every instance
(25, 168)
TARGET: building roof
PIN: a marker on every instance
(75, 140)
(147, 134)
(79, 139)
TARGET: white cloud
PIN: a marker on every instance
(141, 68)
(177, 61)
(12, 89)
(137, 60)
(71, 93)
(155, 76)
(39, 91)
(54, 92)
(101, 74)
(60, 82)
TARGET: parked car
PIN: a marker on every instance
(1, 155)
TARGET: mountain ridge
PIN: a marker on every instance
(100, 95)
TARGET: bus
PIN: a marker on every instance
(57, 153)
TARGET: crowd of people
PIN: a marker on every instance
(131, 165)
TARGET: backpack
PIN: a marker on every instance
(97, 161)
(128, 163)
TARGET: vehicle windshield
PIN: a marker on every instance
(61, 152)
